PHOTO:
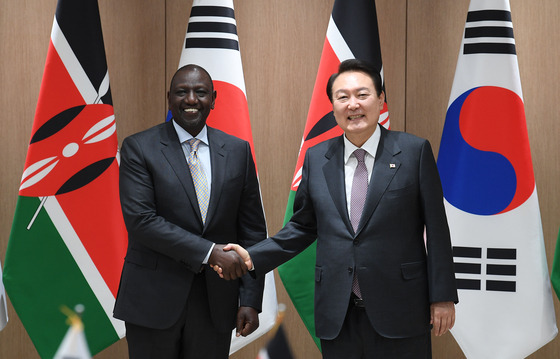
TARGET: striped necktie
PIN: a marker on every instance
(198, 177)
(357, 201)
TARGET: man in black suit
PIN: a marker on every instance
(366, 197)
(173, 306)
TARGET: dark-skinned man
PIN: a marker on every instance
(186, 190)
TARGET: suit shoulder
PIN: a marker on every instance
(405, 138)
(148, 133)
(323, 147)
(226, 137)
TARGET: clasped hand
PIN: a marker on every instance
(232, 250)
(226, 262)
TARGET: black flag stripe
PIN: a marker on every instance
(80, 23)
(225, 27)
(476, 31)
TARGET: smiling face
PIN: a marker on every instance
(191, 98)
(356, 106)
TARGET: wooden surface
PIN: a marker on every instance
(281, 43)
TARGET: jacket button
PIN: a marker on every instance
(355, 241)
(350, 269)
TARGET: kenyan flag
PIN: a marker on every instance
(352, 33)
(68, 238)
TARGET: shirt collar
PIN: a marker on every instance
(185, 136)
(370, 145)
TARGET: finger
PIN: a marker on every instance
(239, 326)
(437, 326)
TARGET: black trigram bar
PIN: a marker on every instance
(500, 286)
(489, 48)
(212, 26)
(469, 268)
(474, 32)
(212, 11)
(472, 284)
(467, 252)
(502, 253)
(488, 31)
(501, 269)
(211, 43)
(489, 15)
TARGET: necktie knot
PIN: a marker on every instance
(193, 144)
(360, 154)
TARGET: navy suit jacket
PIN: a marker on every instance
(167, 241)
(399, 274)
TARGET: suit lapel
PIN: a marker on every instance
(173, 152)
(334, 177)
(218, 159)
(385, 167)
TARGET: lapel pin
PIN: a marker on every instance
(392, 165)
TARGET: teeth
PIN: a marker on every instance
(354, 117)
(191, 110)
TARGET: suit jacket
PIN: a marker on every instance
(398, 279)
(167, 241)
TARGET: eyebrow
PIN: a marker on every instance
(347, 90)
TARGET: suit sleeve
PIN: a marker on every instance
(144, 224)
(441, 275)
(296, 235)
(251, 230)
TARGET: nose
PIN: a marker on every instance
(191, 97)
(353, 103)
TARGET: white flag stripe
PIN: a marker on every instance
(225, 3)
(497, 40)
(84, 262)
(213, 61)
(72, 65)
(337, 42)
(212, 35)
(493, 23)
(217, 19)
(3, 306)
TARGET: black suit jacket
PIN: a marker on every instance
(167, 241)
(398, 279)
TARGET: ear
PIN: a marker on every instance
(214, 95)
(382, 98)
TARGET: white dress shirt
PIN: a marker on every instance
(350, 162)
(203, 154)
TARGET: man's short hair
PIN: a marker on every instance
(356, 65)
(193, 67)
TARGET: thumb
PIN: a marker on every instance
(229, 247)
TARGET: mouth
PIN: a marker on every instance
(355, 117)
(190, 110)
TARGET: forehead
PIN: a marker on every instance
(352, 80)
(191, 77)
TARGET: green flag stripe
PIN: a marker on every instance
(298, 277)
(41, 276)
(555, 275)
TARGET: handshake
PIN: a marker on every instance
(230, 261)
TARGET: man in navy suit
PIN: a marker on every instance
(172, 304)
(367, 197)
